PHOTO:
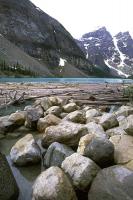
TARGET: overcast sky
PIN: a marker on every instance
(82, 16)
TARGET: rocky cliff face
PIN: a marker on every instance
(42, 37)
(105, 50)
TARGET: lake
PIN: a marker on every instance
(66, 80)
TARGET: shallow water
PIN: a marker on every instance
(25, 176)
(66, 80)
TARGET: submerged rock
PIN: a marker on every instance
(8, 186)
(81, 170)
(53, 184)
(25, 151)
(113, 183)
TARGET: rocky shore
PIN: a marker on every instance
(86, 152)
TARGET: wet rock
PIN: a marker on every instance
(56, 153)
(113, 183)
(81, 170)
(55, 110)
(101, 151)
(47, 121)
(123, 153)
(6, 125)
(76, 116)
(8, 186)
(66, 132)
(25, 151)
(70, 107)
(108, 121)
(53, 184)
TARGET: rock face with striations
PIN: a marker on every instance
(42, 37)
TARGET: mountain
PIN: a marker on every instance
(107, 51)
(44, 39)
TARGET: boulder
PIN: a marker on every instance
(47, 121)
(81, 170)
(108, 121)
(45, 103)
(92, 113)
(96, 129)
(56, 101)
(6, 125)
(76, 116)
(128, 125)
(63, 115)
(124, 111)
(115, 131)
(18, 118)
(101, 151)
(70, 107)
(123, 153)
(121, 120)
(113, 183)
(56, 153)
(55, 110)
(8, 186)
(32, 117)
(66, 132)
(53, 184)
(25, 151)
(84, 141)
(40, 110)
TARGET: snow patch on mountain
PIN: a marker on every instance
(119, 72)
(122, 56)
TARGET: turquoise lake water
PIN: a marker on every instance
(66, 80)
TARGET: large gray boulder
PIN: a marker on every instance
(81, 170)
(25, 151)
(113, 183)
(66, 132)
(47, 121)
(53, 184)
(108, 121)
(56, 153)
(32, 117)
(123, 153)
(8, 186)
(101, 151)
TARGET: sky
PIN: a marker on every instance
(83, 16)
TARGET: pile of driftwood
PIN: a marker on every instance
(12, 97)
